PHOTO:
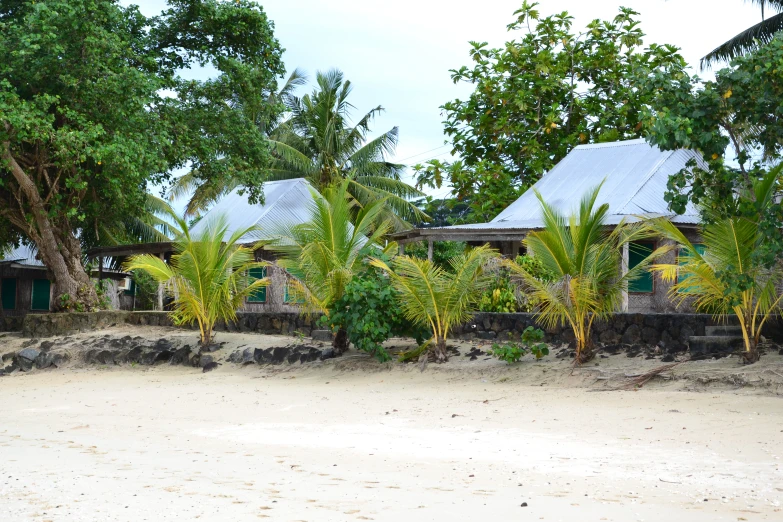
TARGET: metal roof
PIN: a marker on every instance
(24, 255)
(634, 175)
(285, 202)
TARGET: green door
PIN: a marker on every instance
(40, 299)
(8, 292)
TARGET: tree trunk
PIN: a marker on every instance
(439, 350)
(58, 247)
(340, 342)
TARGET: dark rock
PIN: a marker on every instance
(29, 354)
(632, 335)
(667, 358)
(205, 360)
(209, 366)
(609, 337)
(180, 355)
(46, 346)
(650, 336)
(7, 356)
(49, 359)
(327, 353)
(211, 348)
(487, 335)
(132, 356)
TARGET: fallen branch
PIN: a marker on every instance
(640, 380)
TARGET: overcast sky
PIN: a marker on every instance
(398, 54)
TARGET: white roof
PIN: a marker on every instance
(24, 255)
(634, 173)
(285, 202)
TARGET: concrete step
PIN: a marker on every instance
(725, 330)
(718, 344)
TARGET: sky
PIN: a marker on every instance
(398, 54)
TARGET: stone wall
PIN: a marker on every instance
(10, 324)
(669, 331)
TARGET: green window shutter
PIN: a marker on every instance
(291, 297)
(8, 290)
(637, 251)
(683, 257)
(40, 299)
(259, 295)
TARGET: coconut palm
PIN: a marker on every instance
(584, 259)
(436, 298)
(751, 38)
(207, 275)
(324, 253)
(318, 142)
(723, 275)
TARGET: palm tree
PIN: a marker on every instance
(436, 298)
(584, 260)
(722, 275)
(207, 275)
(319, 143)
(750, 39)
(324, 254)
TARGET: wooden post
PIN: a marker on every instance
(160, 287)
(429, 250)
(100, 268)
(624, 270)
(402, 249)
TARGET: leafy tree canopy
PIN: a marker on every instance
(735, 122)
(93, 108)
(539, 96)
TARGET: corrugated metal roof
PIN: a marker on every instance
(286, 201)
(24, 255)
(634, 173)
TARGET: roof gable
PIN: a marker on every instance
(634, 174)
(286, 201)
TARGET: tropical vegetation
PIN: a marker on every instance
(751, 38)
(84, 129)
(324, 253)
(721, 274)
(319, 142)
(208, 275)
(539, 96)
(439, 299)
(582, 260)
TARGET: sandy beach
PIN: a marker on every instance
(330, 442)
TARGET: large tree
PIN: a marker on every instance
(542, 94)
(93, 108)
(735, 122)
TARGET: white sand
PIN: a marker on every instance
(168, 443)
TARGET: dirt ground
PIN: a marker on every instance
(350, 439)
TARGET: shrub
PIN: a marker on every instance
(513, 352)
(501, 298)
(369, 313)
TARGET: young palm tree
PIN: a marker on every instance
(325, 253)
(727, 249)
(318, 142)
(585, 261)
(751, 38)
(435, 298)
(207, 275)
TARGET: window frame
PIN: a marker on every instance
(16, 292)
(654, 244)
(251, 299)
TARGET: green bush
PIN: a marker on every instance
(530, 341)
(501, 298)
(369, 312)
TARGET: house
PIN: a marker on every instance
(25, 286)
(286, 201)
(634, 175)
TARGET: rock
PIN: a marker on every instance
(46, 346)
(327, 353)
(205, 360)
(632, 335)
(49, 359)
(180, 355)
(211, 348)
(7, 356)
(30, 354)
(487, 335)
(209, 366)
(322, 335)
